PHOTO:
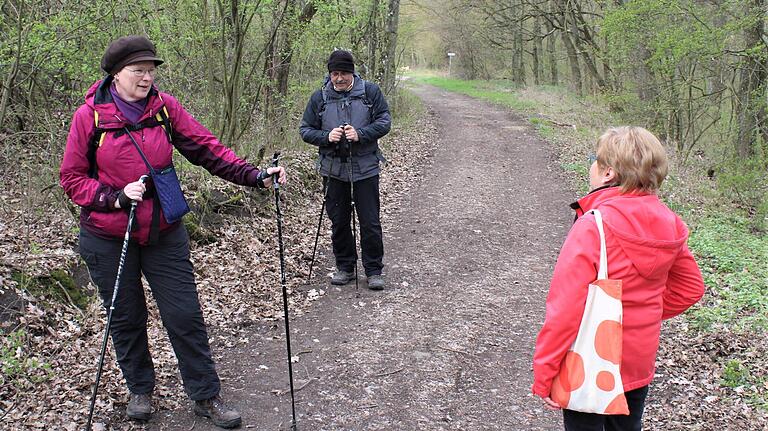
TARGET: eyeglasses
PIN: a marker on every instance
(139, 73)
(592, 159)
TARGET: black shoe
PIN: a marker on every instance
(221, 414)
(139, 407)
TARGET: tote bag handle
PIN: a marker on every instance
(602, 272)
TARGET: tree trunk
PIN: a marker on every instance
(554, 79)
(752, 77)
(10, 80)
(537, 50)
(573, 61)
(389, 59)
(372, 71)
(519, 47)
(576, 34)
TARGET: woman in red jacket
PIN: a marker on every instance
(125, 126)
(647, 251)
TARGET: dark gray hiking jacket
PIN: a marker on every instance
(365, 108)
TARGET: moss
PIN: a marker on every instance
(58, 286)
(196, 232)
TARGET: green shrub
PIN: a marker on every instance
(16, 364)
(732, 259)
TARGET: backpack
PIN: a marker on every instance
(97, 139)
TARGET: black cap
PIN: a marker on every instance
(341, 60)
(128, 50)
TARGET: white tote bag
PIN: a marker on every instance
(589, 380)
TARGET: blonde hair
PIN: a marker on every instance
(636, 156)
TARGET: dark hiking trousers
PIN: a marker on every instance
(339, 209)
(167, 268)
(578, 421)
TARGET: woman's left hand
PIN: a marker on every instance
(281, 176)
(549, 404)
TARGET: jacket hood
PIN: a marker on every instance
(648, 232)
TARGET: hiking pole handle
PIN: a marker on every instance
(275, 176)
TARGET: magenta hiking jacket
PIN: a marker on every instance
(118, 162)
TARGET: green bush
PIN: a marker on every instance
(745, 182)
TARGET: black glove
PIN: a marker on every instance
(263, 175)
(124, 200)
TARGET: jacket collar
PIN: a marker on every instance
(357, 90)
(598, 196)
(100, 99)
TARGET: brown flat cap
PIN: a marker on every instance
(128, 50)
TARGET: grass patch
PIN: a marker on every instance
(498, 92)
(733, 260)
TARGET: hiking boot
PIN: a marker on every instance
(139, 407)
(221, 414)
(342, 277)
(376, 282)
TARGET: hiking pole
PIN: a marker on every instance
(276, 185)
(320, 220)
(123, 252)
(352, 196)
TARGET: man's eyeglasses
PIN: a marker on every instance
(139, 73)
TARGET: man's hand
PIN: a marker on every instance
(335, 135)
(351, 133)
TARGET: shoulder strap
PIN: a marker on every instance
(603, 270)
(143, 156)
(93, 144)
(165, 120)
(367, 100)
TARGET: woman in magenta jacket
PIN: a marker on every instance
(100, 172)
(647, 250)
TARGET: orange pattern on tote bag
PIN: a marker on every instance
(589, 380)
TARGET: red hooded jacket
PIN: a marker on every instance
(119, 163)
(647, 250)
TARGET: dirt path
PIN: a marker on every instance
(448, 345)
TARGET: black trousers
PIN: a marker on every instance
(168, 269)
(578, 421)
(367, 205)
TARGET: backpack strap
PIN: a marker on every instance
(366, 99)
(165, 120)
(97, 139)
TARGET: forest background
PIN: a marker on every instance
(693, 72)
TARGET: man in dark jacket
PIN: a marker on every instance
(344, 120)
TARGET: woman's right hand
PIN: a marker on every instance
(550, 404)
(133, 191)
